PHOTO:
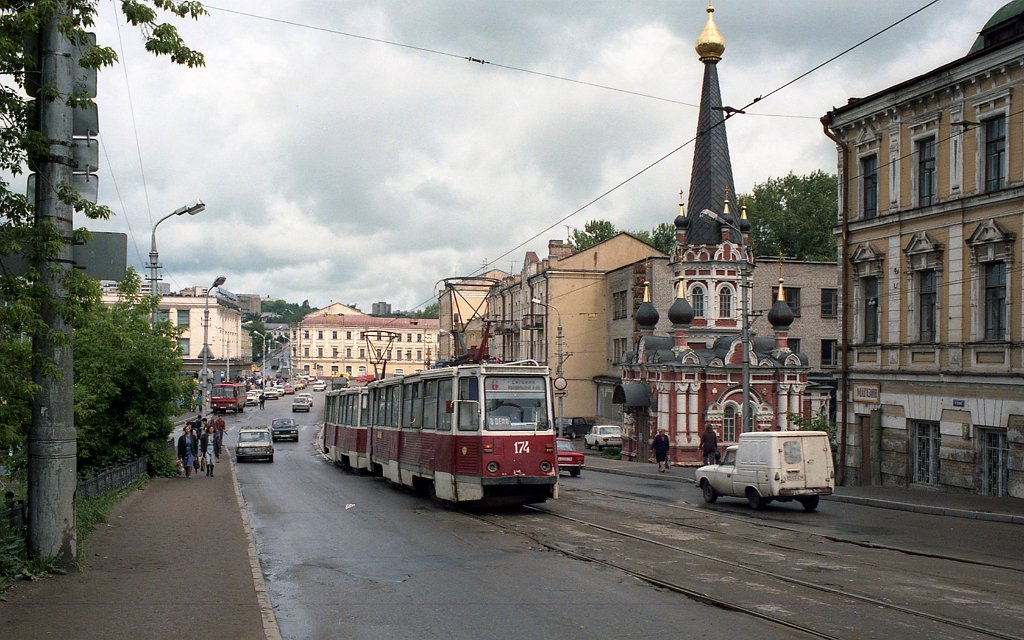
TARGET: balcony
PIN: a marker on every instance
(533, 321)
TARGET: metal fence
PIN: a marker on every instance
(110, 478)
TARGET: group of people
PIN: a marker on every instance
(708, 447)
(199, 445)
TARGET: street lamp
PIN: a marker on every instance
(559, 382)
(154, 257)
(206, 346)
(745, 329)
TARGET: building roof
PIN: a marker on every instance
(384, 324)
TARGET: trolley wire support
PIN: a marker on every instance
(378, 347)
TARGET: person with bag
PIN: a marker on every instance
(709, 445)
(219, 428)
(661, 445)
(187, 448)
(208, 450)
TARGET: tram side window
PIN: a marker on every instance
(430, 404)
(469, 404)
(378, 407)
(395, 406)
(408, 390)
(364, 409)
(445, 407)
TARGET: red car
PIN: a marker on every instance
(568, 458)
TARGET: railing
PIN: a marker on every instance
(111, 478)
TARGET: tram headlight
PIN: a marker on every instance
(545, 466)
(492, 466)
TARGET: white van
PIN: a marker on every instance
(772, 465)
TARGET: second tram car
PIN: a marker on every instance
(472, 434)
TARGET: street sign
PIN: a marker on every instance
(103, 257)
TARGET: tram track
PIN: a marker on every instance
(704, 511)
(841, 600)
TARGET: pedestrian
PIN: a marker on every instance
(661, 444)
(219, 428)
(263, 399)
(187, 448)
(207, 448)
(709, 445)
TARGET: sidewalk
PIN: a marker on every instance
(176, 560)
(919, 500)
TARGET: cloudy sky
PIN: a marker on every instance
(348, 152)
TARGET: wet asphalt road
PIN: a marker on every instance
(346, 555)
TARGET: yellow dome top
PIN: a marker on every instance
(710, 44)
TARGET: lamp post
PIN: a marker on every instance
(206, 346)
(745, 328)
(559, 382)
(154, 257)
(263, 362)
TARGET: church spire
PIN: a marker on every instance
(711, 174)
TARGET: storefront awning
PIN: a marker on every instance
(632, 394)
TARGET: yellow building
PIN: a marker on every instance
(572, 288)
(342, 341)
(931, 223)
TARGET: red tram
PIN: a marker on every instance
(471, 434)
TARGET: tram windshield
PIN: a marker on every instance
(515, 403)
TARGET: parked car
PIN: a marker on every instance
(604, 435)
(573, 427)
(285, 428)
(569, 459)
(772, 465)
(254, 443)
(272, 393)
(301, 403)
(319, 385)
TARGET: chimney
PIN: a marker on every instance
(558, 249)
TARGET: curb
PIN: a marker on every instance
(270, 629)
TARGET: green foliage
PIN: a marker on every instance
(432, 310)
(794, 216)
(287, 312)
(820, 422)
(594, 232)
(662, 237)
(611, 452)
(127, 380)
(90, 512)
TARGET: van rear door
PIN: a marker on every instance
(817, 462)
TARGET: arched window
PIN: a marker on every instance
(698, 301)
(729, 423)
(725, 303)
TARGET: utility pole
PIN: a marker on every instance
(52, 446)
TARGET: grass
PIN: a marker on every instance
(15, 563)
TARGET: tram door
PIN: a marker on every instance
(994, 474)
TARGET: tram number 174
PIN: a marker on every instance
(522, 446)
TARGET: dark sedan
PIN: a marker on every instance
(284, 429)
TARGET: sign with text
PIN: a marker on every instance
(867, 392)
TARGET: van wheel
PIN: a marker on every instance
(586, 444)
(810, 503)
(754, 499)
(710, 495)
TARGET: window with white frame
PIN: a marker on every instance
(995, 153)
(729, 423)
(697, 295)
(924, 277)
(927, 290)
(725, 302)
(992, 253)
(872, 311)
(867, 287)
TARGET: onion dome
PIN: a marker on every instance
(646, 315)
(744, 222)
(680, 313)
(780, 316)
(681, 220)
(710, 44)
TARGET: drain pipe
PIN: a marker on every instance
(844, 265)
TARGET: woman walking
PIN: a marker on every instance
(187, 448)
(208, 449)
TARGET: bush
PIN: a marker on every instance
(611, 452)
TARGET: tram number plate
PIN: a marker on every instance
(522, 446)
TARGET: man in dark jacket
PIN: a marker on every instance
(661, 445)
(709, 445)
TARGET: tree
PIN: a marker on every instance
(128, 382)
(594, 231)
(432, 310)
(794, 216)
(661, 237)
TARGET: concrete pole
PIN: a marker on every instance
(558, 372)
(52, 440)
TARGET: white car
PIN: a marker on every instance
(319, 385)
(603, 435)
(307, 396)
(252, 398)
(273, 393)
